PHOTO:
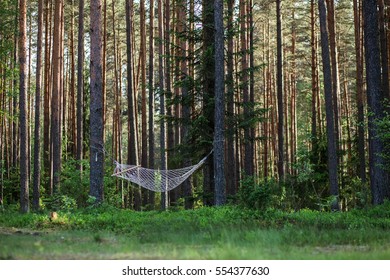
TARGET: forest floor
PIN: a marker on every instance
(206, 233)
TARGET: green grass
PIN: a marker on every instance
(206, 233)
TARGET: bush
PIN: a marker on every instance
(253, 195)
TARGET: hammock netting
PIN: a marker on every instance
(154, 179)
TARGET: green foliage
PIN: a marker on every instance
(60, 202)
(383, 132)
(75, 184)
(253, 195)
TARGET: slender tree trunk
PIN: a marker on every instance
(56, 96)
(248, 162)
(96, 105)
(80, 86)
(151, 93)
(131, 103)
(163, 153)
(231, 175)
(335, 69)
(219, 159)
(208, 91)
(332, 157)
(37, 128)
(314, 87)
(280, 91)
(359, 91)
(375, 98)
(46, 100)
(384, 48)
(24, 161)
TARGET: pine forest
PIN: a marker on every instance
(284, 104)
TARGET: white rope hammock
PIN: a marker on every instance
(154, 179)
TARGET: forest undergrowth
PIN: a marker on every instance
(206, 233)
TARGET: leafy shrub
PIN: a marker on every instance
(253, 195)
(60, 202)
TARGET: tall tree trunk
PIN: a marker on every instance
(332, 156)
(37, 128)
(280, 90)
(359, 91)
(248, 161)
(80, 87)
(163, 153)
(144, 135)
(335, 69)
(151, 94)
(375, 98)
(132, 157)
(56, 96)
(219, 159)
(208, 92)
(314, 87)
(96, 105)
(46, 100)
(24, 161)
(384, 48)
(231, 175)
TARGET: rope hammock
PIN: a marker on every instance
(154, 179)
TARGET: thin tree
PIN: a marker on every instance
(24, 161)
(132, 156)
(163, 152)
(151, 93)
(332, 157)
(375, 98)
(56, 96)
(96, 105)
(80, 86)
(219, 159)
(359, 90)
(279, 70)
(37, 128)
(231, 176)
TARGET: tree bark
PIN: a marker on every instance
(231, 175)
(359, 91)
(151, 94)
(280, 90)
(332, 156)
(80, 87)
(24, 161)
(375, 98)
(37, 128)
(219, 159)
(96, 105)
(56, 96)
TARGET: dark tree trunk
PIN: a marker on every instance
(332, 156)
(24, 161)
(384, 48)
(96, 105)
(375, 98)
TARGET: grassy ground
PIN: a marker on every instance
(207, 233)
